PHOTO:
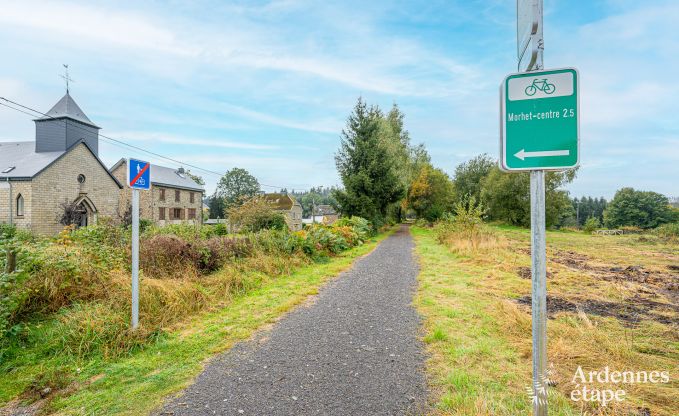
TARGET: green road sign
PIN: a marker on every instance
(540, 126)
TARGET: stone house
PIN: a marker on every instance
(173, 198)
(288, 206)
(60, 168)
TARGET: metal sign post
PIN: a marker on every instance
(138, 177)
(539, 131)
(135, 258)
(538, 252)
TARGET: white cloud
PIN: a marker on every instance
(367, 60)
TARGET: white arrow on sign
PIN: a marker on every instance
(522, 154)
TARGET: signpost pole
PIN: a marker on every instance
(539, 258)
(539, 290)
(135, 258)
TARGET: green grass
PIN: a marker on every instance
(479, 339)
(139, 382)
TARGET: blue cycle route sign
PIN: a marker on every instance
(138, 174)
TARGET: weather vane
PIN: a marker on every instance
(66, 77)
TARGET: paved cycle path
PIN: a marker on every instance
(354, 351)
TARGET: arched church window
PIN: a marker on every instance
(20, 205)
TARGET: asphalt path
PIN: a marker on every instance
(353, 350)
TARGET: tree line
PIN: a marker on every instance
(386, 177)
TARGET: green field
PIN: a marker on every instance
(612, 302)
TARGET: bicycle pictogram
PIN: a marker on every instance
(541, 85)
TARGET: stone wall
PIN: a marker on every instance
(293, 217)
(59, 183)
(22, 188)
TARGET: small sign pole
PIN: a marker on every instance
(135, 258)
(138, 177)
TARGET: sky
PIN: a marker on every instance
(268, 85)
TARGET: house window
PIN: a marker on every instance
(191, 197)
(176, 213)
(161, 213)
(20, 205)
(192, 213)
(81, 178)
(162, 194)
(177, 196)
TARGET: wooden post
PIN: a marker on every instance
(11, 264)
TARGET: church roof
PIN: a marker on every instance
(23, 157)
(20, 161)
(67, 107)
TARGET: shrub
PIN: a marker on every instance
(464, 230)
(255, 215)
(421, 222)
(215, 252)
(324, 240)
(7, 231)
(591, 225)
(220, 229)
(668, 231)
(360, 225)
(168, 256)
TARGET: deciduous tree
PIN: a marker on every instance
(645, 209)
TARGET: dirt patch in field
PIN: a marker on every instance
(652, 281)
(631, 311)
(525, 273)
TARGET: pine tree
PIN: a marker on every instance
(367, 166)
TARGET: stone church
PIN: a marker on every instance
(61, 168)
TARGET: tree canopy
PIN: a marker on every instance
(367, 163)
(233, 188)
(644, 209)
(431, 194)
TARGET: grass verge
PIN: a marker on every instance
(137, 383)
(478, 330)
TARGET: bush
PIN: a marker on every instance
(168, 256)
(591, 225)
(668, 231)
(464, 230)
(215, 252)
(360, 225)
(255, 215)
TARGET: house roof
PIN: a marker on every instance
(67, 107)
(280, 201)
(27, 163)
(325, 210)
(163, 176)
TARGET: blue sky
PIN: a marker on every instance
(267, 85)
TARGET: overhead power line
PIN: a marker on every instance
(121, 143)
